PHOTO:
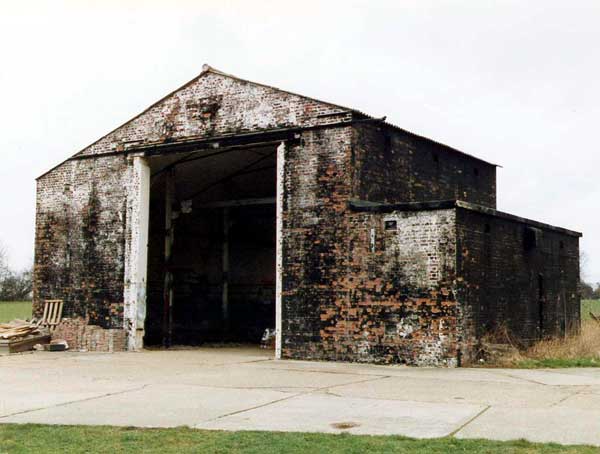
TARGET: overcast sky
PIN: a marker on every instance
(513, 82)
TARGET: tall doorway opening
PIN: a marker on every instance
(211, 274)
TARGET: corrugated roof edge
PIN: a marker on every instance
(355, 111)
(207, 69)
(380, 207)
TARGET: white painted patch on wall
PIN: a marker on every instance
(372, 240)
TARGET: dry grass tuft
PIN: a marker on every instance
(585, 344)
(576, 350)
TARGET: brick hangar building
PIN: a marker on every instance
(229, 207)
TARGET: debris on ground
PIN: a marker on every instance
(268, 339)
(495, 354)
(18, 328)
(21, 335)
(57, 345)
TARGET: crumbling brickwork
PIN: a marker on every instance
(491, 278)
(390, 248)
(81, 336)
(400, 305)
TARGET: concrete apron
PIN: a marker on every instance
(245, 389)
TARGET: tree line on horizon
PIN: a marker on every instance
(15, 285)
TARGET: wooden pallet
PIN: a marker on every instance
(22, 344)
(52, 313)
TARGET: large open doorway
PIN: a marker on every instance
(212, 247)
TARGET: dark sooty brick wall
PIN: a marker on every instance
(398, 167)
(315, 233)
(516, 276)
(353, 290)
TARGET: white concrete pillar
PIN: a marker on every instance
(136, 250)
(279, 248)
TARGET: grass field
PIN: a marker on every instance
(82, 439)
(588, 306)
(14, 309)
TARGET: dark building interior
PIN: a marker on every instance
(211, 273)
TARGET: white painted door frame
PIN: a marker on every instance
(279, 248)
(136, 250)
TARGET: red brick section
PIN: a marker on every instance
(81, 336)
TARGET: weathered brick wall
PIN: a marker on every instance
(502, 284)
(401, 306)
(81, 225)
(216, 105)
(315, 232)
(398, 167)
(80, 236)
(343, 297)
(354, 291)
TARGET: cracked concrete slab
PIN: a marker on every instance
(245, 389)
(152, 406)
(457, 391)
(324, 413)
(554, 424)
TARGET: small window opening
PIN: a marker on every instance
(530, 238)
(476, 171)
(561, 244)
(436, 158)
(388, 145)
(391, 225)
(488, 229)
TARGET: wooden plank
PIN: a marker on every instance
(22, 345)
(238, 203)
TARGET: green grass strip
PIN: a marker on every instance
(103, 439)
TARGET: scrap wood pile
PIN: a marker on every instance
(18, 329)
